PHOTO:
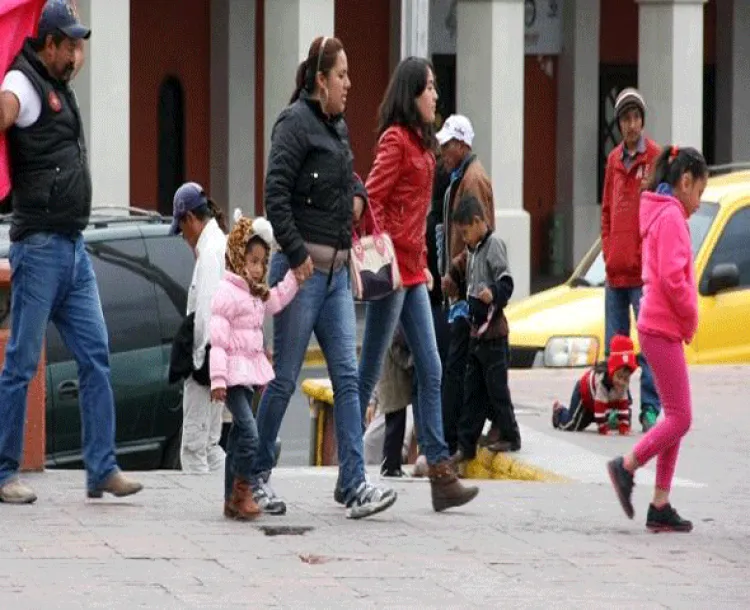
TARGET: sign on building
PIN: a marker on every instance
(543, 20)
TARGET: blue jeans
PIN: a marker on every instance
(242, 441)
(327, 310)
(53, 280)
(617, 304)
(412, 307)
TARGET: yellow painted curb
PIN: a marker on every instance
(486, 465)
(502, 466)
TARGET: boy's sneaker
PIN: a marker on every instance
(624, 429)
(666, 519)
(269, 502)
(557, 409)
(648, 418)
(623, 483)
(369, 500)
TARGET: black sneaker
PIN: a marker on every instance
(393, 473)
(369, 500)
(338, 496)
(666, 519)
(623, 483)
(269, 502)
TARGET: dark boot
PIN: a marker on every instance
(241, 504)
(447, 490)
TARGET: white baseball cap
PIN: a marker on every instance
(456, 127)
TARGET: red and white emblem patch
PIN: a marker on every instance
(54, 102)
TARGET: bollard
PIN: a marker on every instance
(34, 435)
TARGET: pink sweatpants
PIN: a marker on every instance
(667, 360)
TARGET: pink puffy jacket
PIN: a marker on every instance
(237, 354)
(669, 307)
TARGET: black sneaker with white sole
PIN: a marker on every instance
(666, 519)
(369, 500)
(265, 497)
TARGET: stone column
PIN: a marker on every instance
(415, 28)
(732, 81)
(103, 91)
(233, 104)
(489, 90)
(578, 127)
(670, 69)
(290, 27)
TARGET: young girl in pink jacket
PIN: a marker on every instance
(669, 318)
(238, 359)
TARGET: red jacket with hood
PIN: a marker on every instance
(621, 241)
(400, 189)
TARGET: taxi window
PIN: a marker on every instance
(734, 245)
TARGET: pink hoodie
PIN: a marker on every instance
(669, 307)
(237, 354)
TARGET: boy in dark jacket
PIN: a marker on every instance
(489, 286)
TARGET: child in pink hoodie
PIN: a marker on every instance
(669, 318)
(238, 361)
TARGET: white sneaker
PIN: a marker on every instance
(15, 492)
(369, 500)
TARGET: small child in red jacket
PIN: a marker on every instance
(603, 389)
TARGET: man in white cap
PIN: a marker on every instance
(628, 168)
(462, 424)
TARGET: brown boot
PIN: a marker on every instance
(242, 501)
(447, 490)
(118, 485)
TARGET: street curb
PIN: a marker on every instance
(488, 465)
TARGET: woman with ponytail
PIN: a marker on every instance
(310, 202)
(668, 318)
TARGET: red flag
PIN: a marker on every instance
(18, 20)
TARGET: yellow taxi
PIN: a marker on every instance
(564, 326)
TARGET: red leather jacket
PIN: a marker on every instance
(621, 239)
(400, 190)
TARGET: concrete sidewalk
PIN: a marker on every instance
(519, 545)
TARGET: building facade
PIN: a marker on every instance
(189, 90)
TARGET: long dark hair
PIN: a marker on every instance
(673, 162)
(399, 105)
(318, 60)
(211, 210)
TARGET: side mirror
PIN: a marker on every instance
(722, 277)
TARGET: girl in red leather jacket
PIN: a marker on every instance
(400, 191)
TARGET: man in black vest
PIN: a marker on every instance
(53, 279)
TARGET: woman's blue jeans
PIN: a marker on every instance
(412, 307)
(327, 309)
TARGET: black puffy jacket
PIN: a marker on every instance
(310, 182)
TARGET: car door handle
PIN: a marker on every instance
(68, 389)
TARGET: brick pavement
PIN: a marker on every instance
(520, 545)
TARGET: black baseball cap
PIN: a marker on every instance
(59, 15)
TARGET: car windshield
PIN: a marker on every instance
(700, 223)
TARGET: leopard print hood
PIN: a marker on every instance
(242, 232)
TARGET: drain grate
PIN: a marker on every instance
(285, 530)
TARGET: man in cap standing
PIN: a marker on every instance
(627, 172)
(53, 279)
(462, 423)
